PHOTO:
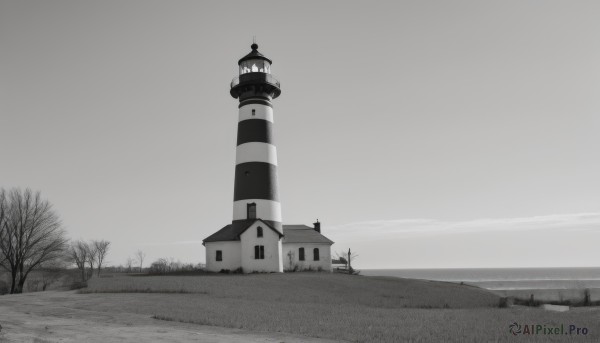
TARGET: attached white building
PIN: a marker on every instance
(258, 247)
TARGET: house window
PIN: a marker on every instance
(253, 112)
(259, 252)
(259, 232)
(316, 254)
(301, 254)
(251, 211)
(219, 255)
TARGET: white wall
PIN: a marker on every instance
(324, 256)
(272, 243)
(231, 256)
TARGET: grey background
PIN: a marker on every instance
(421, 133)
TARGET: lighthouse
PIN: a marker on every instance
(256, 240)
(256, 189)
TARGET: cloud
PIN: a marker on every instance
(587, 222)
(390, 229)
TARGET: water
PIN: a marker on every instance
(503, 278)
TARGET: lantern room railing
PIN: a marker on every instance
(255, 77)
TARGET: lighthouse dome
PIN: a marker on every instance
(255, 62)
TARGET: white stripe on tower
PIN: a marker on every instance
(256, 152)
(256, 111)
(265, 209)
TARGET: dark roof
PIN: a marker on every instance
(233, 231)
(303, 234)
(254, 54)
(291, 233)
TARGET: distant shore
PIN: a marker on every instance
(550, 295)
(546, 284)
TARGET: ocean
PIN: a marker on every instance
(503, 278)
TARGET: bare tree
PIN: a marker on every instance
(92, 256)
(4, 208)
(101, 251)
(128, 264)
(78, 253)
(139, 257)
(30, 234)
(347, 258)
(160, 266)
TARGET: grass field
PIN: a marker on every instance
(302, 288)
(353, 308)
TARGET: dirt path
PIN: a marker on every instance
(53, 317)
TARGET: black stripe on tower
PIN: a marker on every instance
(255, 180)
(255, 130)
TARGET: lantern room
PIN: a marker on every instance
(254, 62)
(255, 78)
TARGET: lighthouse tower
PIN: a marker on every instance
(256, 190)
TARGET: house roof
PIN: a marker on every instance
(303, 234)
(233, 231)
(291, 233)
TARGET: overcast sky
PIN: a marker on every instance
(422, 134)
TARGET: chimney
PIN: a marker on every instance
(317, 226)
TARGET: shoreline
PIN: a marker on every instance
(547, 295)
(546, 284)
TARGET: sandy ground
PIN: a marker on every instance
(53, 317)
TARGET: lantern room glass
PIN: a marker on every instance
(255, 66)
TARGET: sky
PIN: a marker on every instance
(422, 134)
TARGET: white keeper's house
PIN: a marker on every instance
(256, 240)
